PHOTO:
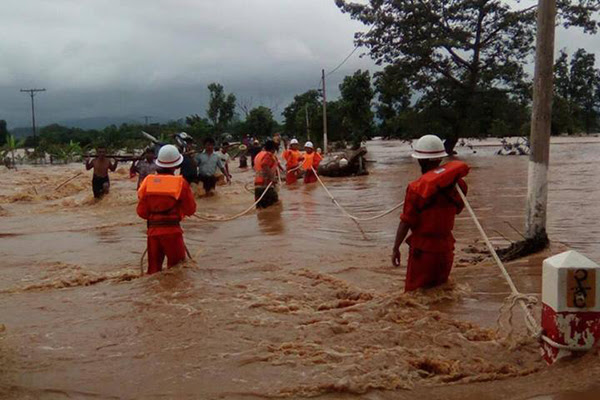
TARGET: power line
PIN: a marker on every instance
(342, 63)
(356, 46)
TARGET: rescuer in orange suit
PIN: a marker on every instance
(312, 159)
(430, 207)
(164, 200)
(293, 157)
(266, 166)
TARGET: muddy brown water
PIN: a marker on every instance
(295, 301)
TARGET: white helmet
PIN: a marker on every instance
(343, 162)
(294, 141)
(185, 136)
(309, 145)
(169, 157)
(429, 147)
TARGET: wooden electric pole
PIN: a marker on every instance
(543, 92)
(307, 123)
(324, 115)
(32, 93)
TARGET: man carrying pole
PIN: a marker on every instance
(101, 165)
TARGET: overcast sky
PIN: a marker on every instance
(112, 58)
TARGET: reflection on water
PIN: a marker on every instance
(270, 220)
(296, 300)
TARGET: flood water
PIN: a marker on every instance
(294, 301)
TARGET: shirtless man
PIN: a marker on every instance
(101, 165)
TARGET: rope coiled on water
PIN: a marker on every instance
(346, 213)
(239, 215)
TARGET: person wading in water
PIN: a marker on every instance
(430, 207)
(164, 200)
(266, 165)
(312, 160)
(145, 166)
(101, 166)
(293, 158)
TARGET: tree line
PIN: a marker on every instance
(455, 69)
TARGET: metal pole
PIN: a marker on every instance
(324, 114)
(537, 191)
(33, 116)
(32, 93)
(307, 123)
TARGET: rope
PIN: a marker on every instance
(246, 187)
(226, 219)
(525, 301)
(187, 251)
(67, 181)
(346, 213)
(295, 169)
(142, 261)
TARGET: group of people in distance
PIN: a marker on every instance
(165, 199)
(267, 167)
(210, 165)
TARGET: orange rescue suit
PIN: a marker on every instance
(311, 160)
(264, 160)
(431, 205)
(164, 201)
(292, 158)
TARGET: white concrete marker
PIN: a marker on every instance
(571, 304)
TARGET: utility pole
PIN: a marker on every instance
(307, 122)
(543, 92)
(32, 93)
(147, 119)
(325, 113)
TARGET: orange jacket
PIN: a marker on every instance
(264, 163)
(313, 159)
(431, 205)
(165, 200)
(292, 158)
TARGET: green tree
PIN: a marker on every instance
(9, 148)
(394, 98)
(576, 100)
(200, 128)
(3, 132)
(585, 80)
(221, 108)
(295, 116)
(356, 98)
(456, 51)
(260, 122)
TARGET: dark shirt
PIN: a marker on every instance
(254, 150)
(189, 170)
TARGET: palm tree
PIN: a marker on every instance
(9, 148)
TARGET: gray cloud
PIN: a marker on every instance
(108, 57)
(155, 57)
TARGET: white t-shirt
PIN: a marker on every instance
(225, 157)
